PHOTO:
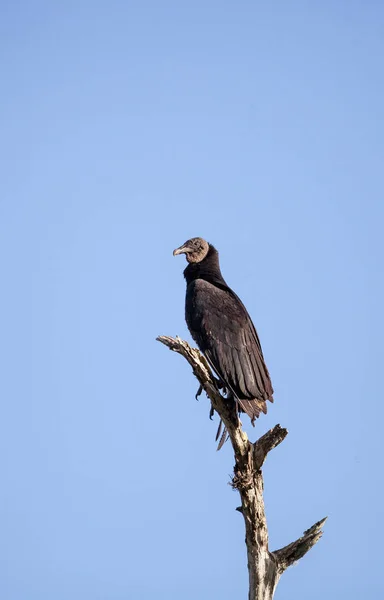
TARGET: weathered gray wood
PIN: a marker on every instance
(265, 568)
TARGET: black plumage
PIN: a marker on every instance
(223, 330)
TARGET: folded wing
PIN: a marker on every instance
(225, 333)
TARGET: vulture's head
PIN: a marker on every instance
(195, 250)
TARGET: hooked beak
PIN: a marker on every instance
(182, 250)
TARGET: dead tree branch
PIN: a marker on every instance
(265, 568)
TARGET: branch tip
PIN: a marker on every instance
(293, 552)
(316, 527)
(268, 442)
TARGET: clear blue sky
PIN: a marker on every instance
(127, 127)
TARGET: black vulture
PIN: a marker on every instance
(222, 328)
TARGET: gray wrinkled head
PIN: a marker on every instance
(195, 250)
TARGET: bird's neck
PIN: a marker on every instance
(208, 269)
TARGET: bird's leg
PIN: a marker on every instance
(232, 398)
(220, 385)
(211, 412)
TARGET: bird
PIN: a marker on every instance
(223, 330)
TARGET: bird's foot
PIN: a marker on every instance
(199, 392)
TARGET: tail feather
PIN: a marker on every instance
(253, 408)
(223, 439)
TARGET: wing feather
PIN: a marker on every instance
(224, 331)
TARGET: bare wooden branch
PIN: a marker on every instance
(265, 568)
(293, 552)
(266, 443)
(204, 375)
